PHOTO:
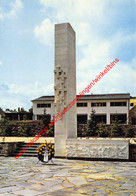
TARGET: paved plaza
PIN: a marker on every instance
(66, 177)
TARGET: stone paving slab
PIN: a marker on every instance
(28, 177)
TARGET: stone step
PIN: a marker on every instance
(28, 151)
(32, 147)
(27, 154)
(32, 151)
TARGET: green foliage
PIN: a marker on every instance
(92, 128)
(31, 110)
(45, 120)
(24, 117)
(129, 130)
(20, 129)
(23, 130)
(21, 110)
(50, 132)
(116, 129)
(102, 131)
(5, 128)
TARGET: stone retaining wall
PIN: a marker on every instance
(7, 149)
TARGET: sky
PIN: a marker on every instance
(105, 30)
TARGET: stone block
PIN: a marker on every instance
(109, 148)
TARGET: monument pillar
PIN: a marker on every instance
(65, 85)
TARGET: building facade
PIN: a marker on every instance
(106, 107)
(132, 102)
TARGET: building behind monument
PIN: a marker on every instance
(106, 106)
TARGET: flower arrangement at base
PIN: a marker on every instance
(45, 149)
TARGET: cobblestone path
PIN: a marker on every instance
(66, 177)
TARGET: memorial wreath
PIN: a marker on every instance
(45, 152)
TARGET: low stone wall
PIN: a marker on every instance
(7, 149)
(105, 148)
(9, 144)
(26, 139)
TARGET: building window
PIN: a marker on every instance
(45, 105)
(98, 104)
(100, 118)
(82, 118)
(122, 118)
(118, 103)
(81, 104)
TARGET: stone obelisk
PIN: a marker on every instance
(65, 86)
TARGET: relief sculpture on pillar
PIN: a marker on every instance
(60, 89)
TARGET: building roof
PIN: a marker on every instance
(44, 98)
(90, 97)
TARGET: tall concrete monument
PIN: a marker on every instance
(65, 85)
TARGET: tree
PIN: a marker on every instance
(18, 109)
(45, 118)
(92, 128)
(22, 110)
(24, 117)
(129, 130)
(31, 110)
(116, 129)
(102, 130)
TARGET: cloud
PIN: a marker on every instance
(1, 63)
(16, 6)
(120, 79)
(31, 90)
(103, 33)
(1, 16)
(13, 96)
(85, 16)
(44, 32)
(4, 87)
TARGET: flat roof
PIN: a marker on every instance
(89, 97)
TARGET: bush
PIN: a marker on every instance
(129, 130)
(103, 130)
(45, 120)
(50, 132)
(20, 128)
(5, 128)
(116, 129)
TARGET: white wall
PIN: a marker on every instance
(104, 110)
(87, 110)
(40, 111)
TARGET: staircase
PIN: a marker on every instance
(32, 151)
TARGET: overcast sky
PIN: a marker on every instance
(105, 30)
